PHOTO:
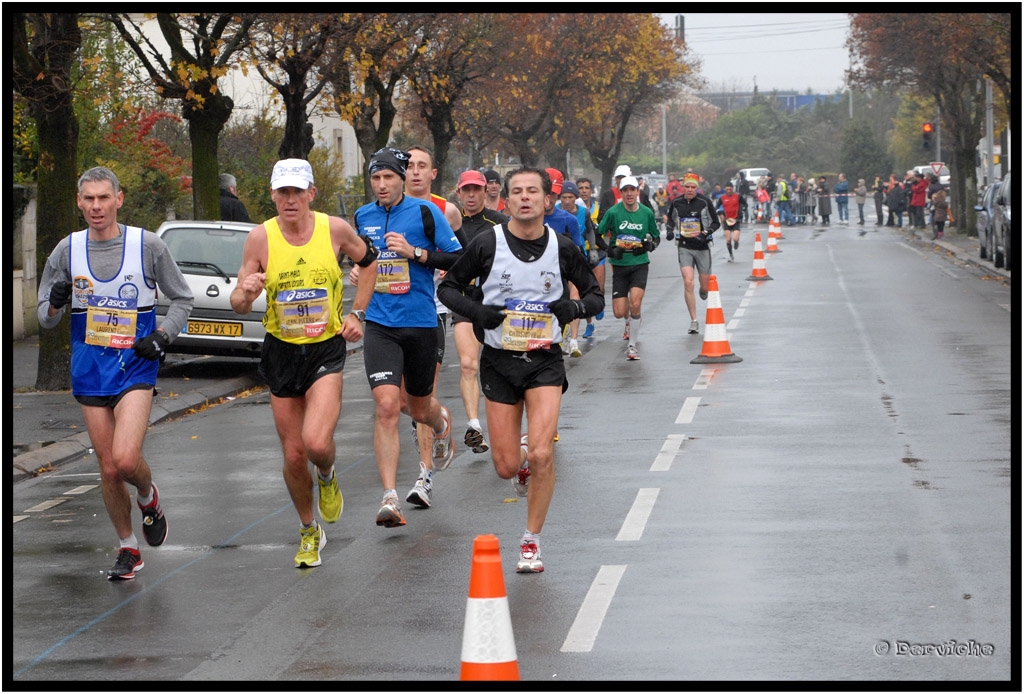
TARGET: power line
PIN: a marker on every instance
(765, 35)
(774, 50)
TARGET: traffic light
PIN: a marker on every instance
(926, 132)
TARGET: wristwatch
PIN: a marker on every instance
(360, 314)
(417, 253)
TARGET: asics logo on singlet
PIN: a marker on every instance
(631, 226)
(112, 303)
(530, 306)
(298, 295)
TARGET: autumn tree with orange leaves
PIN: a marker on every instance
(571, 81)
(202, 48)
(943, 56)
(460, 50)
(367, 66)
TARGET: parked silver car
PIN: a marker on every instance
(985, 210)
(209, 255)
(1005, 233)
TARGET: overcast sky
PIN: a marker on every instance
(784, 51)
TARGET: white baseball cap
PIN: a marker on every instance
(622, 170)
(629, 181)
(292, 173)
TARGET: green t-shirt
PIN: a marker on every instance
(620, 227)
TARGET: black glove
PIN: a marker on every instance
(567, 310)
(670, 234)
(152, 346)
(60, 294)
(488, 316)
(656, 240)
(641, 249)
(616, 252)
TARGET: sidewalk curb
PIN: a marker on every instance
(44, 459)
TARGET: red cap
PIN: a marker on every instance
(556, 180)
(472, 178)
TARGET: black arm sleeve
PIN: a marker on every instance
(436, 258)
(455, 290)
(575, 269)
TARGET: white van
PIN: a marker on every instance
(753, 174)
(927, 171)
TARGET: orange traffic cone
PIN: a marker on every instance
(778, 228)
(488, 647)
(716, 342)
(773, 235)
(759, 272)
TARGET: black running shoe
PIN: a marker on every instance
(154, 525)
(128, 562)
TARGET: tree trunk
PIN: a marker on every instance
(297, 141)
(56, 217)
(204, 127)
(442, 132)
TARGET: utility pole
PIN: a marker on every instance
(664, 142)
(989, 136)
(680, 27)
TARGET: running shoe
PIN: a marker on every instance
(475, 440)
(529, 558)
(599, 316)
(704, 294)
(588, 332)
(419, 495)
(313, 540)
(444, 446)
(693, 327)
(625, 334)
(390, 513)
(521, 480)
(631, 353)
(574, 348)
(127, 563)
(154, 525)
(331, 500)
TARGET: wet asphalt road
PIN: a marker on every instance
(837, 506)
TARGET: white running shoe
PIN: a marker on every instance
(444, 446)
(529, 558)
(419, 495)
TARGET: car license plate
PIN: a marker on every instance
(204, 327)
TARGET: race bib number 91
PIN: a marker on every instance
(302, 312)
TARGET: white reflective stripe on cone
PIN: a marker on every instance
(487, 636)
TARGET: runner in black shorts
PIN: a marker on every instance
(290, 369)
(292, 258)
(400, 347)
(513, 283)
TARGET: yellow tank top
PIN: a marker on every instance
(304, 285)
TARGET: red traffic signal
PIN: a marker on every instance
(926, 128)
